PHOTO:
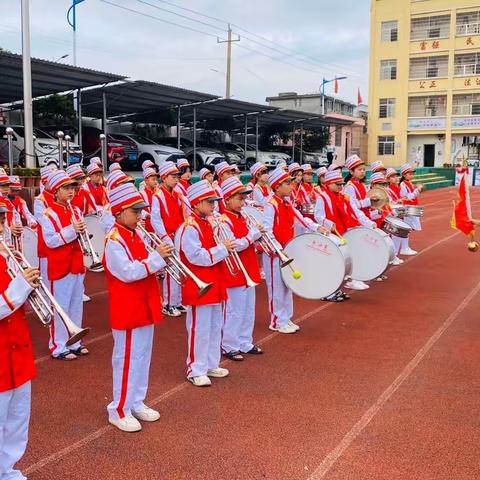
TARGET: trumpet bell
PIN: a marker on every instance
(286, 262)
(96, 267)
(77, 336)
(204, 288)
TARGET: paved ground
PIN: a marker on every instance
(385, 386)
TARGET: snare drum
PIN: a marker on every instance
(322, 263)
(398, 210)
(414, 211)
(397, 227)
(307, 209)
(30, 244)
(98, 236)
(371, 250)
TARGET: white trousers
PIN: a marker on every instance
(132, 353)
(239, 320)
(44, 271)
(172, 292)
(68, 292)
(397, 243)
(14, 419)
(414, 222)
(280, 298)
(204, 329)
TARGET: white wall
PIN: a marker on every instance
(415, 145)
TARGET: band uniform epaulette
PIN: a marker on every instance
(113, 234)
(190, 221)
(47, 212)
(273, 201)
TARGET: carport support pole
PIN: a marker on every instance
(256, 136)
(293, 143)
(104, 116)
(245, 134)
(79, 113)
(194, 138)
(178, 127)
(301, 143)
(30, 160)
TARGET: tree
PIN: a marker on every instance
(55, 112)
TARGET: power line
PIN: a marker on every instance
(159, 19)
(292, 53)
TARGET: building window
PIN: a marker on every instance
(468, 23)
(386, 145)
(386, 108)
(466, 104)
(389, 31)
(388, 70)
(434, 106)
(338, 136)
(429, 67)
(467, 64)
(430, 27)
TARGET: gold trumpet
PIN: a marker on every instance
(86, 245)
(233, 261)
(41, 300)
(175, 267)
(268, 244)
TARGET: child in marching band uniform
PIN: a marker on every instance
(135, 307)
(206, 174)
(259, 184)
(394, 195)
(280, 218)
(167, 216)
(82, 199)
(65, 265)
(185, 175)
(151, 186)
(321, 172)
(17, 365)
(200, 252)
(223, 171)
(94, 185)
(239, 321)
(410, 193)
(19, 203)
(296, 173)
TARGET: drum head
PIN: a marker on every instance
(98, 239)
(398, 223)
(30, 243)
(320, 262)
(371, 251)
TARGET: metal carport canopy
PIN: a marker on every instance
(47, 77)
(137, 97)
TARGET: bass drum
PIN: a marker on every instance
(371, 250)
(322, 263)
(30, 244)
(98, 236)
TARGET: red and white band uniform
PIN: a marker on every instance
(240, 307)
(334, 212)
(200, 252)
(280, 219)
(181, 188)
(20, 205)
(395, 196)
(167, 216)
(66, 271)
(411, 193)
(357, 193)
(84, 201)
(17, 369)
(98, 193)
(135, 307)
(261, 194)
(40, 204)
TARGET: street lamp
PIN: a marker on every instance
(324, 82)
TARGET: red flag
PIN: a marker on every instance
(359, 98)
(462, 216)
(336, 86)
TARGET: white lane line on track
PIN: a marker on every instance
(367, 417)
(178, 388)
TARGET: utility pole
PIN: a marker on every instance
(229, 58)
(30, 160)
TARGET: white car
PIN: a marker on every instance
(149, 150)
(46, 147)
(269, 159)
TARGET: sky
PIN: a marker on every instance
(284, 45)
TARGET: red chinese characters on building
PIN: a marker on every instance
(467, 82)
(469, 41)
(435, 44)
(433, 84)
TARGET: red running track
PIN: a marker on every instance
(384, 386)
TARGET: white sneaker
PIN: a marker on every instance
(294, 325)
(286, 329)
(86, 298)
(146, 415)
(408, 251)
(200, 381)
(396, 261)
(126, 424)
(217, 372)
(170, 311)
(356, 285)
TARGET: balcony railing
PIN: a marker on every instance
(468, 29)
(469, 69)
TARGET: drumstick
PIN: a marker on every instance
(343, 240)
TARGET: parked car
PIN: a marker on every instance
(269, 158)
(150, 150)
(123, 151)
(46, 147)
(232, 152)
(315, 159)
(205, 156)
